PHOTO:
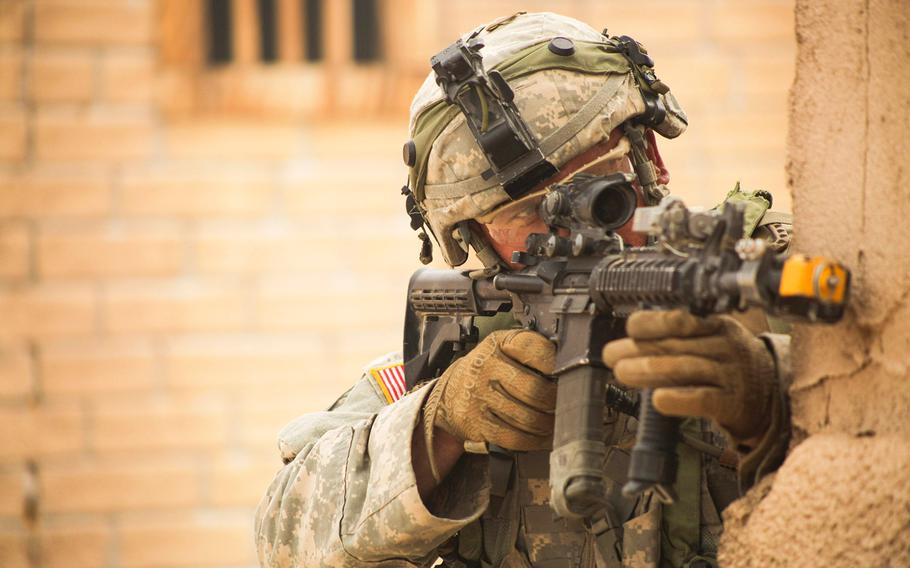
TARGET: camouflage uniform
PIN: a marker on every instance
(347, 495)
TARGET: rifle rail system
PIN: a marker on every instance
(579, 284)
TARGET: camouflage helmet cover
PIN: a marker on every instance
(570, 104)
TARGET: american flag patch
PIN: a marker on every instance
(391, 381)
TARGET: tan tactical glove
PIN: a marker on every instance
(498, 393)
(712, 367)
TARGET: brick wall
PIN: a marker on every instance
(174, 289)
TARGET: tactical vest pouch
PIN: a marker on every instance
(641, 539)
(755, 202)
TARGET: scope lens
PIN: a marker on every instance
(613, 205)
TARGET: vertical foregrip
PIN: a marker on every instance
(576, 462)
(653, 461)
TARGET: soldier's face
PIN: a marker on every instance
(508, 228)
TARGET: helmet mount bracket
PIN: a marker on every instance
(487, 103)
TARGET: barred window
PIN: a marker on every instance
(254, 31)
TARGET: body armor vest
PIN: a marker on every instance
(519, 529)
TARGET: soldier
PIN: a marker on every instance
(383, 478)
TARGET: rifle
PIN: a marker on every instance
(579, 285)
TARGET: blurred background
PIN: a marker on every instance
(202, 237)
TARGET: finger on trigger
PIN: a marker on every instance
(668, 371)
(530, 349)
(649, 324)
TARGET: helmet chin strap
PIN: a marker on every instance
(645, 169)
(470, 236)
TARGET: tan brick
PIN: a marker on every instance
(263, 414)
(49, 429)
(287, 303)
(759, 21)
(329, 145)
(733, 133)
(768, 74)
(187, 542)
(15, 371)
(176, 91)
(241, 483)
(175, 307)
(62, 76)
(75, 544)
(93, 22)
(47, 310)
(10, 74)
(128, 424)
(279, 91)
(454, 18)
(12, 20)
(14, 546)
(661, 26)
(52, 194)
(117, 486)
(110, 251)
(14, 251)
(696, 78)
(91, 136)
(772, 103)
(97, 366)
(236, 248)
(14, 126)
(244, 251)
(195, 193)
(350, 350)
(12, 492)
(353, 191)
(257, 362)
(231, 139)
(127, 77)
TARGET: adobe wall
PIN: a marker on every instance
(842, 497)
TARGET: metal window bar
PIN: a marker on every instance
(219, 28)
(312, 30)
(366, 31)
(267, 14)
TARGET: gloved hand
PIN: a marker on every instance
(498, 393)
(712, 367)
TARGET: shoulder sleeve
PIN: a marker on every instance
(347, 495)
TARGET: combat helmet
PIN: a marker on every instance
(509, 104)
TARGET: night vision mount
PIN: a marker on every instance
(487, 102)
